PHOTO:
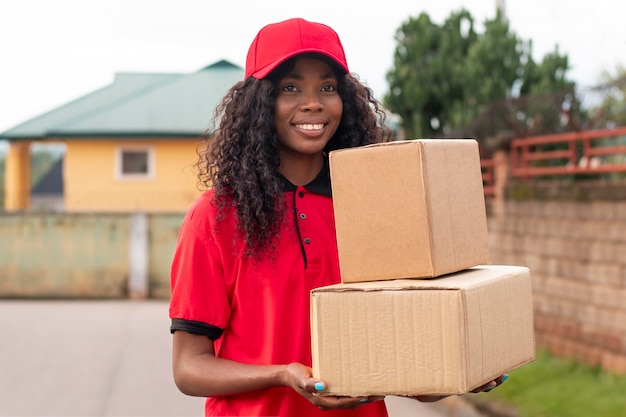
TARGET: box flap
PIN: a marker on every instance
(472, 277)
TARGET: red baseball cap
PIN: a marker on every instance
(277, 42)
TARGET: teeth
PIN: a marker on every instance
(315, 126)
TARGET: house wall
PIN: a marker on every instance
(17, 176)
(90, 183)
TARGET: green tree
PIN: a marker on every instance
(40, 163)
(493, 67)
(429, 71)
(552, 96)
(449, 80)
(611, 111)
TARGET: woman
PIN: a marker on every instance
(262, 236)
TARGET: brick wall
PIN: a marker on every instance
(576, 251)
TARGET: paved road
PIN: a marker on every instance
(100, 358)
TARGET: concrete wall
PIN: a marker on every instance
(87, 255)
(576, 251)
(575, 248)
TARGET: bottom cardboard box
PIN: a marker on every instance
(410, 337)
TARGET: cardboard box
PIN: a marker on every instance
(409, 209)
(447, 335)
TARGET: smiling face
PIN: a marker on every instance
(308, 109)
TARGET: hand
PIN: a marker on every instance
(429, 398)
(300, 378)
(483, 388)
(490, 385)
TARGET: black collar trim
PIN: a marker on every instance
(319, 185)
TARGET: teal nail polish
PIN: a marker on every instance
(504, 378)
(362, 400)
(319, 386)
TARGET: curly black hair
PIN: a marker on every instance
(240, 159)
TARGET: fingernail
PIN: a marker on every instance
(319, 386)
(504, 378)
(379, 399)
(362, 400)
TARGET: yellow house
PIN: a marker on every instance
(129, 146)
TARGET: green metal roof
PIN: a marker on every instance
(138, 105)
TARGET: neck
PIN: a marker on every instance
(303, 169)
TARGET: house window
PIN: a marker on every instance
(134, 163)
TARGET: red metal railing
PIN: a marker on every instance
(488, 177)
(587, 152)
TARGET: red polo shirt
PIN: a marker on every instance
(258, 311)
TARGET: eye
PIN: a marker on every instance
(289, 87)
(329, 88)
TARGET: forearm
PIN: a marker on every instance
(206, 375)
(198, 372)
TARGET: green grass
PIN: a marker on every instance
(553, 387)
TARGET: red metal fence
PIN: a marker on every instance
(487, 166)
(586, 152)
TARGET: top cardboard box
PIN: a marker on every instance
(409, 209)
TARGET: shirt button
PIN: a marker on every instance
(302, 216)
(307, 240)
(301, 194)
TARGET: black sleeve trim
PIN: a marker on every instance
(196, 327)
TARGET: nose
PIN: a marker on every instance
(311, 101)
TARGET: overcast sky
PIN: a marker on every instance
(53, 51)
